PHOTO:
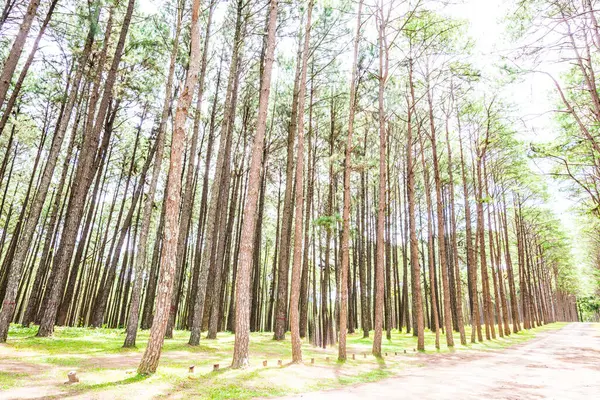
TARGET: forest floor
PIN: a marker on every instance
(36, 368)
(563, 364)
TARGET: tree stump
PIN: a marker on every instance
(279, 363)
(354, 356)
(191, 369)
(312, 360)
(265, 363)
(327, 359)
(72, 377)
(404, 351)
(215, 367)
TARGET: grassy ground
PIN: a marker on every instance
(31, 367)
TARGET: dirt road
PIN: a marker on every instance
(563, 364)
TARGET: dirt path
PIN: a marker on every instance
(562, 364)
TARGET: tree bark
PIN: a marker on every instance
(39, 197)
(242, 284)
(299, 200)
(380, 256)
(441, 224)
(281, 303)
(345, 245)
(414, 242)
(151, 356)
(10, 64)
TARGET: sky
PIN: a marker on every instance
(533, 97)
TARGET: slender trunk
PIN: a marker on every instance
(242, 284)
(10, 64)
(84, 173)
(187, 201)
(23, 74)
(457, 277)
(487, 302)
(514, 307)
(471, 260)
(380, 241)
(346, 211)
(308, 215)
(299, 200)
(414, 242)
(430, 250)
(440, 224)
(166, 281)
(286, 222)
(42, 191)
(217, 196)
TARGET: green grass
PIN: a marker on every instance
(105, 367)
(10, 379)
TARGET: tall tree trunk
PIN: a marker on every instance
(514, 307)
(380, 257)
(136, 291)
(132, 323)
(440, 223)
(414, 242)
(10, 64)
(81, 183)
(217, 196)
(459, 297)
(187, 198)
(166, 280)
(346, 211)
(308, 215)
(286, 221)
(39, 197)
(487, 302)
(23, 74)
(471, 253)
(52, 231)
(435, 324)
(207, 161)
(220, 228)
(242, 284)
(299, 200)
(269, 324)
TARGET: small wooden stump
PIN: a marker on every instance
(354, 356)
(415, 350)
(279, 363)
(386, 354)
(395, 353)
(265, 363)
(191, 369)
(364, 355)
(404, 351)
(215, 367)
(72, 377)
(312, 360)
(327, 359)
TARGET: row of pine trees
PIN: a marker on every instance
(317, 167)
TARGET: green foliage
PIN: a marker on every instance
(328, 222)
